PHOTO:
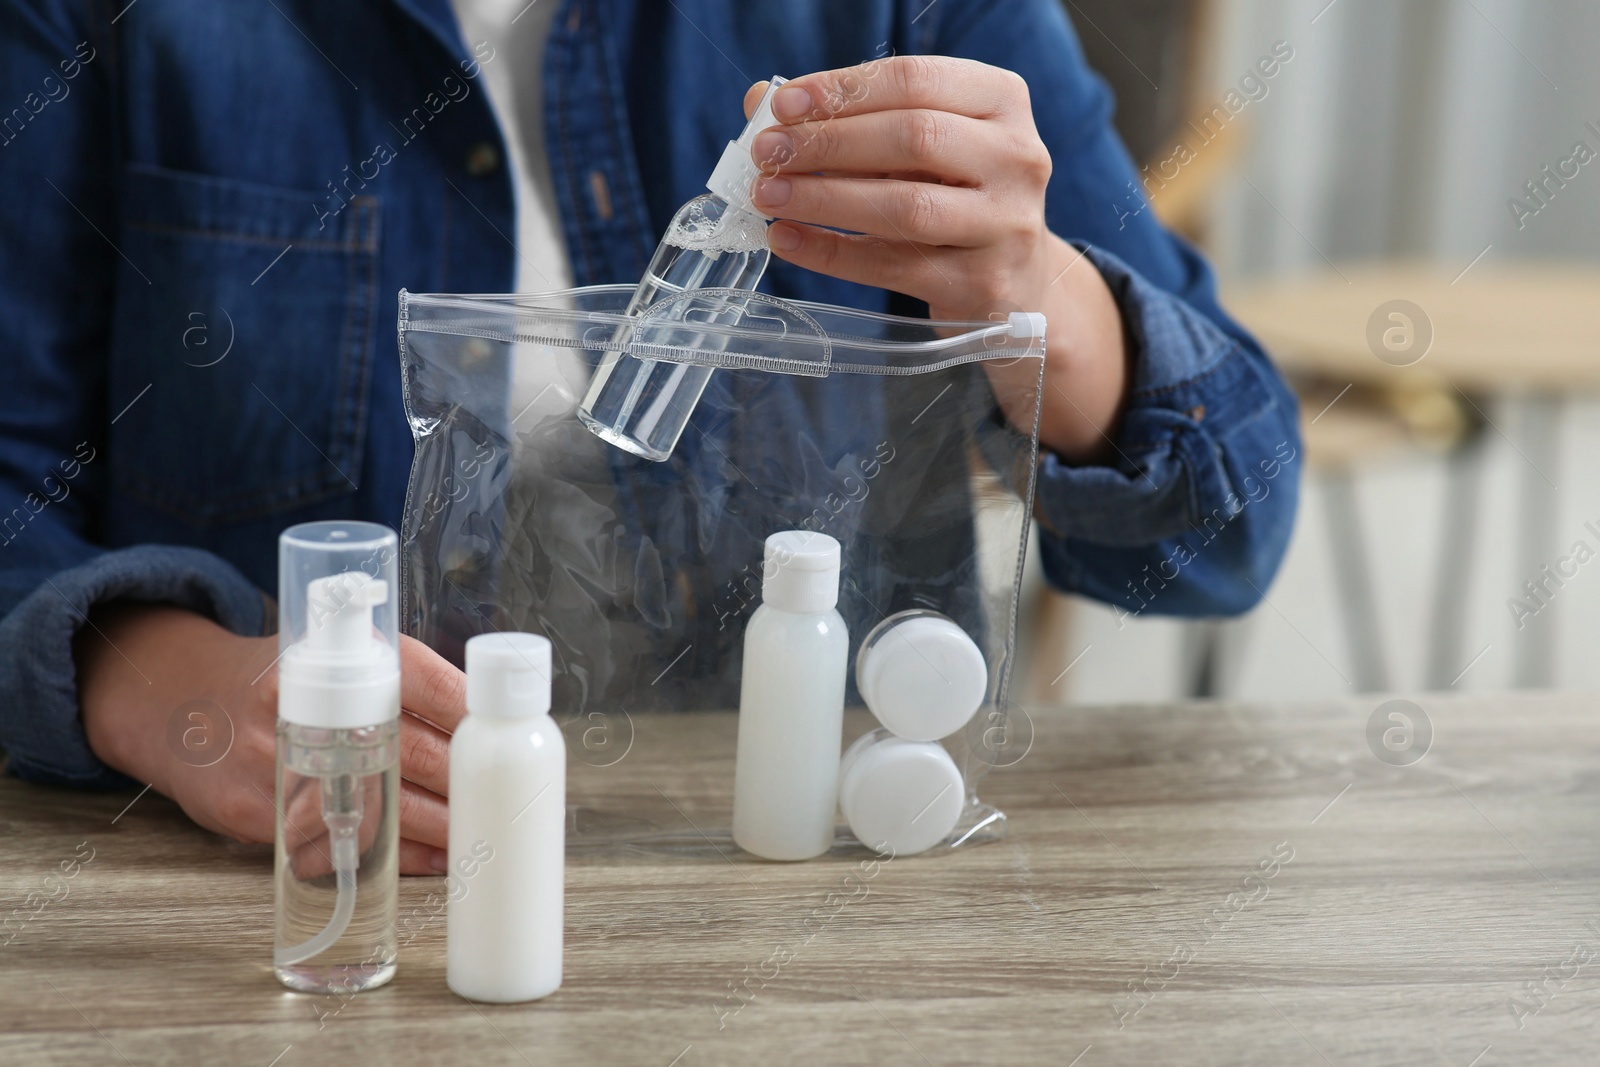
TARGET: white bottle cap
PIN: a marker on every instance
(341, 675)
(1028, 324)
(900, 797)
(508, 675)
(800, 572)
(736, 171)
(921, 675)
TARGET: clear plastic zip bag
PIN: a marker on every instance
(912, 443)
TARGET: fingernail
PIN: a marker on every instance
(791, 102)
(440, 860)
(773, 148)
(772, 192)
(784, 238)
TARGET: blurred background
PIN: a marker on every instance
(1407, 212)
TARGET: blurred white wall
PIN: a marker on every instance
(1401, 128)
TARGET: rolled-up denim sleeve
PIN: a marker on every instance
(39, 725)
(1191, 514)
(56, 286)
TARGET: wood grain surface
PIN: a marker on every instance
(1197, 884)
(1496, 327)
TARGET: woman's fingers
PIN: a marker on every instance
(752, 98)
(900, 210)
(963, 86)
(953, 148)
(302, 812)
(424, 832)
(424, 816)
(314, 859)
(424, 754)
(419, 857)
(433, 696)
(861, 258)
(431, 688)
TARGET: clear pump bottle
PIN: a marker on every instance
(338, 778)
(716, 241)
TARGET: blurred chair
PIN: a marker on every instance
(1346, 427)
(1520, 331)
(1138, 47)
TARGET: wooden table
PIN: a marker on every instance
(1495, 327)
(1274, 892)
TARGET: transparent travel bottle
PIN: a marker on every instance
(337, 869)
(716, 241)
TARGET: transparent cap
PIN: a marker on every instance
(338, 624)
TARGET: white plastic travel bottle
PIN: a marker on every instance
(791, 703)
(508, 808)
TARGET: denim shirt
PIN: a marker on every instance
(210, 208)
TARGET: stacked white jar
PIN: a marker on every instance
(924, 678)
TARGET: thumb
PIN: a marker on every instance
(752, 97)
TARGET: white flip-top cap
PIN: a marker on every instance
(900, 797)
(508, 675)
(800, 572)
(921, 675)
(736, 171)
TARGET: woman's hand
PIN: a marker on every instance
(157, 685)
(935, 167)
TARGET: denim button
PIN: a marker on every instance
(483, 159)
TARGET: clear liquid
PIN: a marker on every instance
(643, 405)
(359, 766)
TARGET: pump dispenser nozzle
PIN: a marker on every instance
(339, 612)
(342, 673)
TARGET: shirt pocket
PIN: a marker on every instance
(241, 346)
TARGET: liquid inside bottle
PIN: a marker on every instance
(642, 405)
(337, 783)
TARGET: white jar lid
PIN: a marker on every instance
(900, 797)
(921, 675)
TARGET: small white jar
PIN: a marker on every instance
(921, 675)
(900, 797)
